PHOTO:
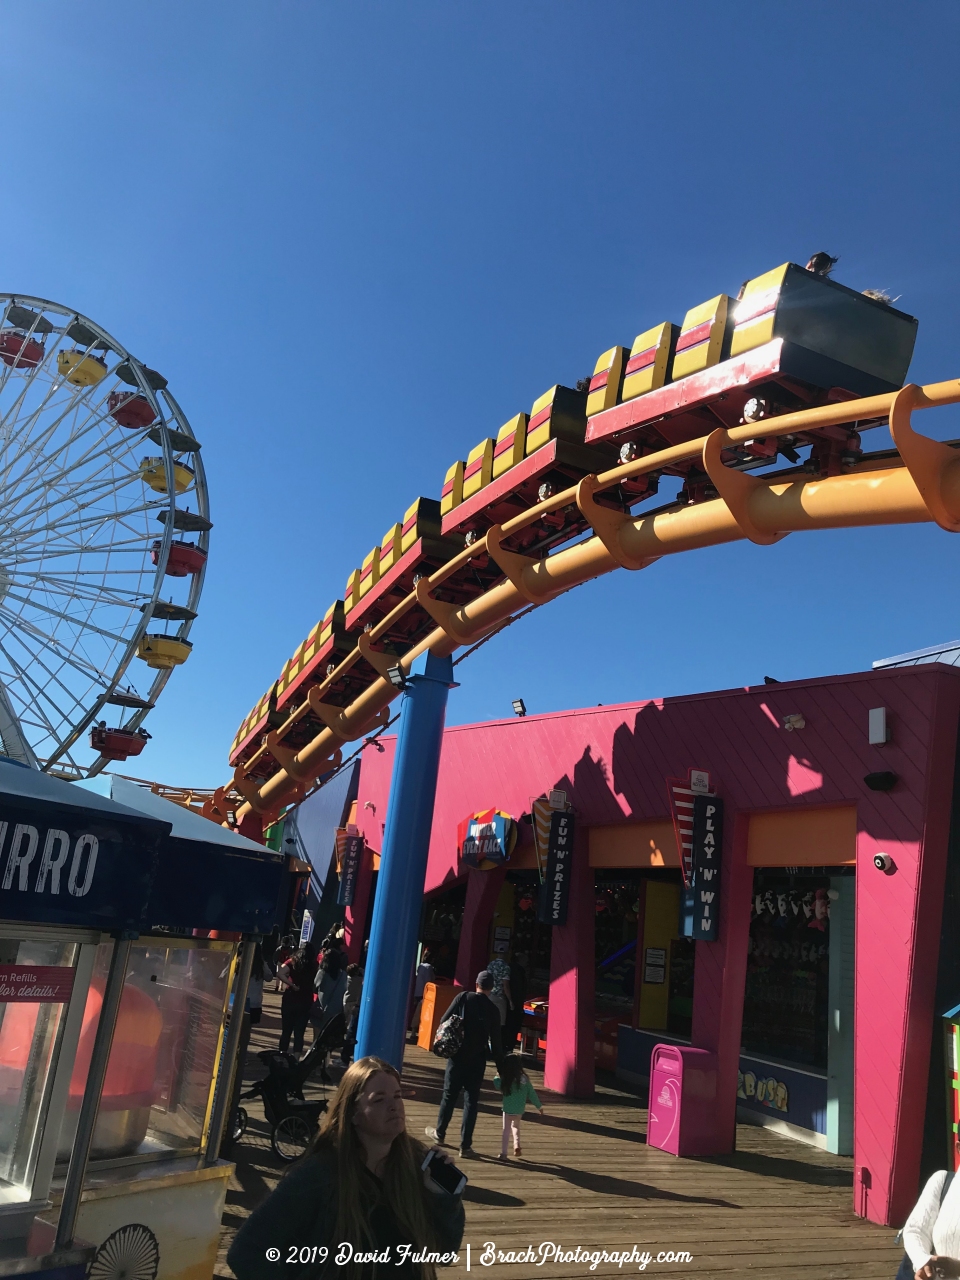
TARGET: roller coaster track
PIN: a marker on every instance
(917, 481)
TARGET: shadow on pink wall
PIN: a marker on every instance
(613, 762)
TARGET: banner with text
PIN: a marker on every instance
(707, 838)
(555, 895)
(349, 870)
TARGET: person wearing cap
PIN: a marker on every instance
(464, 1073)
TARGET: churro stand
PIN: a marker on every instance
(116, 1049)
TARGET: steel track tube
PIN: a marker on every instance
(86, 1122)
(403, 861)
(842, 502)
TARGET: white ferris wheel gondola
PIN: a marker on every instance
(94, 452)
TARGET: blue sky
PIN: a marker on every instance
(359, 237)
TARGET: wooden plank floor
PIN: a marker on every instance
(774, 1208)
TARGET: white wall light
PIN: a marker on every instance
(878, 729)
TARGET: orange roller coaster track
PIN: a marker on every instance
(916, 482)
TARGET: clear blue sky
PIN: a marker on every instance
(357, 237)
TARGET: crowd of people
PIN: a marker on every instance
(321, 988)
(365, 1180)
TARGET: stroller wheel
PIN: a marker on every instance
(291, 1137)
(239, 1124)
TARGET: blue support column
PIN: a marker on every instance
(403, 861)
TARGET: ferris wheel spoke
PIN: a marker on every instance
(112, 597)
(97, 415)
(42, 691)
(82, 517)
(39, 575)
(68, 656)
(66, 528)
(70, 586)
(26, 422)
(69, 556)
(98, 485)
(81, 594)
(35, 377)
(31, 707)
(44, 482)
(73, 621)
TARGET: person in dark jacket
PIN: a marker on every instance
(360, 1189)
(297, 976)
(464, 1073)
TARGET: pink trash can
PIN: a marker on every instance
(683, 1098)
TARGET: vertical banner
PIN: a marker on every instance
(707, 840)
(555, 895)
(306, 928)
(349, 870)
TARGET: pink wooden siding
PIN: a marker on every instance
(613, 762)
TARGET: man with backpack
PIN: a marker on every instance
(471, 1023)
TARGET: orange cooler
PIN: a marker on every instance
(437, 998)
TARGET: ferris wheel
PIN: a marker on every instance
(104, 527)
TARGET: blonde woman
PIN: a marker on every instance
(359, 1191)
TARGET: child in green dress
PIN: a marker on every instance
(517, 1091)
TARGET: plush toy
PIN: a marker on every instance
(821, 911)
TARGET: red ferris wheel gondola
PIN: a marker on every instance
(184, 558)
(17, 349)
(117, 744)
(129, 410)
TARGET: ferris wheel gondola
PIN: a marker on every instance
(94, 452)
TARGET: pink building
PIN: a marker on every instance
(822, 994)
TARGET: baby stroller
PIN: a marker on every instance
(293, 1120)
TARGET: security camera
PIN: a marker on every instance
(883, 862)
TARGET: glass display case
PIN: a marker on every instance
(160, 1074)
(44, 976)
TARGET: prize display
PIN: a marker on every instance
(786, 998)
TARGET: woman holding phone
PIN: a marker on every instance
(360, 1204)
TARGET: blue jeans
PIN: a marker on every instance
(463, 1077)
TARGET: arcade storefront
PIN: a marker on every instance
(820, 988)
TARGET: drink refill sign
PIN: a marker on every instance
(707, 841)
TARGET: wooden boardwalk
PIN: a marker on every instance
(775, 1208)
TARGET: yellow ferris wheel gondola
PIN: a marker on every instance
(162, 653)
(154, 474)
(81, 368)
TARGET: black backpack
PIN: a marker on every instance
(448, 1041)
